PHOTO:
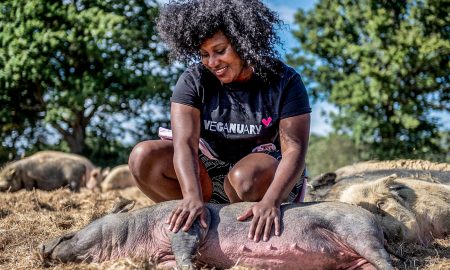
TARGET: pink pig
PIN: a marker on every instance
(326, 235)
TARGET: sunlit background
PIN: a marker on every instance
(91, 88)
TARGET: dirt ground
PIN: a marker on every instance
(28, 218)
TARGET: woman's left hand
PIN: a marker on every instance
(265, 215)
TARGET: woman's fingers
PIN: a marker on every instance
(277, 225)
(184, 215)
(253, 224)
(203, 219)
(180, 221)
(173, 217)
(267, 229)
(190, 219)
(246, 215)
(259, 229)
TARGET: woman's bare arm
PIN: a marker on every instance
(185, 123)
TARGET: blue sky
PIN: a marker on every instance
(286, 11)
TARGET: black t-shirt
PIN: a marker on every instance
(237, 117)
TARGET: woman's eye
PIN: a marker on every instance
(221, 51)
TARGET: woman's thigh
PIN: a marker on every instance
(151, 163)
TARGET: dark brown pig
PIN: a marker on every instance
(328, 235)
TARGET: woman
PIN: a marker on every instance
(247, 111)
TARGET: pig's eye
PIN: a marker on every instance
(380, 204)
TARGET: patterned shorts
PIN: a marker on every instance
(218, 169)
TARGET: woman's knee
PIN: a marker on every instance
(247, 185)
(240, 180)
(144, 158)
(251, 178)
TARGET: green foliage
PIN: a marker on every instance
(384, 65)
(328, 153)
(72, 65)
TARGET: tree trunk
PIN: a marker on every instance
(76, 139)
(76, 135)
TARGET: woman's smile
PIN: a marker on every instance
(219, 72)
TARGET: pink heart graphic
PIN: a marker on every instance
(267, 121)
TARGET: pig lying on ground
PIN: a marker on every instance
(328, 235)
(328, 186)
(372, 170)
(119, 178)
(44, 173)
(408, 209)
(419, 169)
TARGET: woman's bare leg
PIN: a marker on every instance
(151, 163)
(250, 177)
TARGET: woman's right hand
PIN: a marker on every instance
(185, 213)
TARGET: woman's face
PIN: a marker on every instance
(222, 60)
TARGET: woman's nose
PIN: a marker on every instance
(213, 61)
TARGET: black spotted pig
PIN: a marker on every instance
(327, 235)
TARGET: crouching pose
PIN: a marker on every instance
(240, 118)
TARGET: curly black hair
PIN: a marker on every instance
(249, 25)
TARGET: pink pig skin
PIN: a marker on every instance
(326, 235)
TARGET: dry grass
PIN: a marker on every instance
(28, 218)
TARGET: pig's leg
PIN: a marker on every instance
(186, 244)
(370, 247)
(29, 183)
(74, 175)
(380, 258)
(373, 251)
